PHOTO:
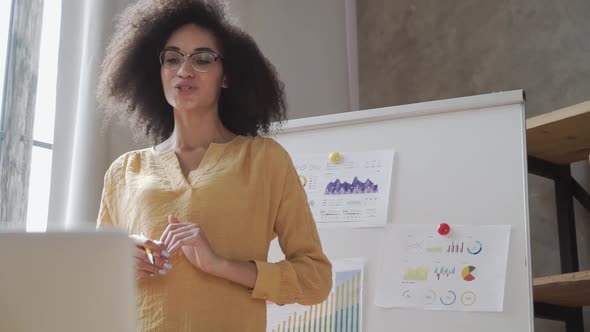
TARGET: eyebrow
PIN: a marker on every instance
(200, 49)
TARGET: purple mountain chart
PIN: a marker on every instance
(352, 192)
(337, 187)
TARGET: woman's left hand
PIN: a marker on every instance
(194, 244)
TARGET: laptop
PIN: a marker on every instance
(71, 281)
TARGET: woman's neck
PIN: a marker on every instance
(194, 130)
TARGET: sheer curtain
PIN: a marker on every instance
(81, 153)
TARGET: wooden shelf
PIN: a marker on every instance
(562, 136)
(571, 289)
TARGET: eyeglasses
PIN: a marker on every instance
(201, 61)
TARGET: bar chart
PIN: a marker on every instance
(340, 312)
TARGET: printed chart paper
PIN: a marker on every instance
(463, 271)
(354, 191)
(342, 310)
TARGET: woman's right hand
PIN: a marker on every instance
(143, 266)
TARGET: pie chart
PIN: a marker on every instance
(468, 273)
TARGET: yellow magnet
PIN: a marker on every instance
(334, 157)
(303, 180)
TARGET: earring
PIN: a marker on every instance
(224, 83)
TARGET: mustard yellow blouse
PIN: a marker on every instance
(243, 194)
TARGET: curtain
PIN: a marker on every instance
(81, 153)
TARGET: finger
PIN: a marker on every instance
(157, 248)
(169, 229)
(137, 240)
(172, 219)
(141, 254)
(172, 222)
(140, 265)
(163, 263)
(159, 262)
(175, 233)
(185, 241)
(178, 229)
(143, 274)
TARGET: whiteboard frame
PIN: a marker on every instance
(403, 111)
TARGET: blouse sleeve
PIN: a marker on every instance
(104, 212)
(305, 276)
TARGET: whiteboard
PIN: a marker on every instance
(460, 160)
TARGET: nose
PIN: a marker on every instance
(186, 69)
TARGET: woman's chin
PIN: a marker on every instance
(189, 107)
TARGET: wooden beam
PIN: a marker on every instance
(570, 289)
(562, 136)
(19, 110)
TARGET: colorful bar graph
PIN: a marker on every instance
(340, 312)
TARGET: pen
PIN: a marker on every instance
(149, 253)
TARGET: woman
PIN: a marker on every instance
(209, 197)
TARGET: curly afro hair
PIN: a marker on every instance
(130, 79)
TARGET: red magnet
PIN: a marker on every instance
(444, 229)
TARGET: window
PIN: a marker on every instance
(44, 112)
(40, 176)
(5, 9)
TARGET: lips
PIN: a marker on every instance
(183, 86)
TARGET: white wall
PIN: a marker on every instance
(307, 41)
